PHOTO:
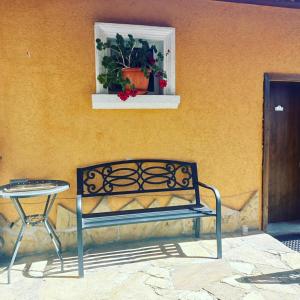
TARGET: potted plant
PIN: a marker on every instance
(129, 66)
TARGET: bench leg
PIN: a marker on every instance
(80, 253)
(219, 235)
(197, 227)
(79, 236)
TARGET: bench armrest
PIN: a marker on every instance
(216, 193)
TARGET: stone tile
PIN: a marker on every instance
(251, 255)
(178, 201)
(230, 220)
(231, 241)
(209, 244)
(101, 235)
(118, 202)
(154, 204)
(194, 277)
(275, 295)
(248, 214)
(267, 269)
(160, 283)
(254, 296)
(103, 206)
(242, 267)
(237, 281)
(223, 291)
(153, 229)
(265, 242)
(187, 226)
(279, 287)
(133, 205)
(4, 227)
(291, 259)
(157, 272)
(194, 249)
(37, 269)
(188, 295)
(65, 218)
(208, 225)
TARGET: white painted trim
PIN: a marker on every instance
(111, 101)
(104, 31)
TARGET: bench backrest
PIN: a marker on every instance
(137, 177)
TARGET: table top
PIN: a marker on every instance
(33, 188)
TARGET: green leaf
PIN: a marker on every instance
(120, 41)
(114, 47)
(131, 41)
(160, 56)
(154, 49)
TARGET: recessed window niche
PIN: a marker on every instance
(164, 40)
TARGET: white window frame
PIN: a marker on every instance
(103, 100)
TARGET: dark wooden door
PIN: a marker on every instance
(284, 152)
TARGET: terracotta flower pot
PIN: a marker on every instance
(136, 77)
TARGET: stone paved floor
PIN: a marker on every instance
(254, 267)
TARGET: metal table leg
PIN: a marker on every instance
(56, 243)
(27, 221)
(47, 223)
(50, 229)
(15, 251)
(20, 236)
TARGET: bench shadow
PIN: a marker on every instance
(102, 257)
(285, 277)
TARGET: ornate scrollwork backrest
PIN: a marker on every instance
(136, 176)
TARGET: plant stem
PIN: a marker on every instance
(120, 52)
(129, 59)
(121, 64)
(122, 56)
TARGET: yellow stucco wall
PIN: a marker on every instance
(48, 127)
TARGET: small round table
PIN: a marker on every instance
(19, 189)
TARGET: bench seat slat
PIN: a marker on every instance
(144, 217)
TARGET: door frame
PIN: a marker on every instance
(268, 79)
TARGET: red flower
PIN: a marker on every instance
(162, 83)
(123, 95)
(151, 60)
(133, 92)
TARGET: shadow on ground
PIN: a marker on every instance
(286, 277)
(104, 256)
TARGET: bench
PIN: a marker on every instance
(140, 177)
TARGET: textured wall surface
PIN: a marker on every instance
(48, 127)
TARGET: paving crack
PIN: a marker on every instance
(211, 294)
(152, 275)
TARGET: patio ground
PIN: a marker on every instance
(256, 266)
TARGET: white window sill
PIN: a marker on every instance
(110, 101)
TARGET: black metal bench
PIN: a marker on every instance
(137, 177)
